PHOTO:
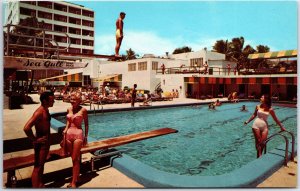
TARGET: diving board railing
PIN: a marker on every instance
(286, 145)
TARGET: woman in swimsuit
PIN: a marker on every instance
(260, 124)
(75, 138)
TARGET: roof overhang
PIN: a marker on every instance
(77, 77)
(108, 78)
(25, 63)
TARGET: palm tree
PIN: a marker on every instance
(182, 50)
(130, 54)
(236, 52)
(262, 49)
(245, 61)
(223, 47)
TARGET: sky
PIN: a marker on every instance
(162, 26)
(157, 27)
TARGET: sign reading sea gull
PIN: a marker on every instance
(25, 63)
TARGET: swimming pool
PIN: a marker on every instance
(208, 143)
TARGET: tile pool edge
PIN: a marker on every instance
(248, 176)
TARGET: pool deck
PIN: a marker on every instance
(106, 177)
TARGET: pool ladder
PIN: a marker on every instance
(286, 145)
(98, 103)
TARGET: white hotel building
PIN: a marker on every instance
(75, 20)
(146, 71)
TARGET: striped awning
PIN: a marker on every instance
(109, 78)
(253, 80)
(66, 77)
(278, 54)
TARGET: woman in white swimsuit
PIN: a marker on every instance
(75, 136)
(260, 124)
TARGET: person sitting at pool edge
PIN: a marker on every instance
(217, 103)
(147, 101)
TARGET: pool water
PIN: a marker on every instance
(208, 142)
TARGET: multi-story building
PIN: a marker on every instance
(75, 20)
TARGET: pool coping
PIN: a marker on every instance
(248, 176)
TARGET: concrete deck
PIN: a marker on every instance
(106, 177)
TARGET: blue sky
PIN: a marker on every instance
(162, 26)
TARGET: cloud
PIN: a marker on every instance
(148, 42)
(139, 41)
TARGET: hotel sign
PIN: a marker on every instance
(26, 63)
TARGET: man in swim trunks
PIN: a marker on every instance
(41, 143)
(133, 95)
(119, 33)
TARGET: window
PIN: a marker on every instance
(86, 80)
(132, 67)
(196, 62)
(142, 66)
(154, 65)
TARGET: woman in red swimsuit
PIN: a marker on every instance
(75, 138)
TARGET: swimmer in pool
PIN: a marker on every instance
(244, 108)
(260, 124)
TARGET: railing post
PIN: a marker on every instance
(7, 40)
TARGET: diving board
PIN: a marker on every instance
(14, 163)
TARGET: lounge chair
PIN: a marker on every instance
(275, 97)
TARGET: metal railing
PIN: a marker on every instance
(98, 103)
(286, 145)
(9, 47)
(198, 70)
(222, 71)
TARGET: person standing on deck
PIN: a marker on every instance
(260, 127)
(74, 135)
(133, 95)
(41, 143)
(119, 33)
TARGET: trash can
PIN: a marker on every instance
(210, 71)
(15, 102)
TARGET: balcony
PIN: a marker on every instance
(218, 71)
